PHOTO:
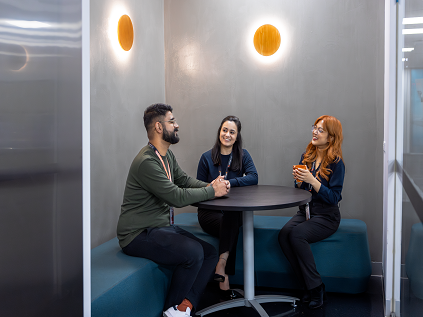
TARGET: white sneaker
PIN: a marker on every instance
(174, 312)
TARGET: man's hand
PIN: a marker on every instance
(221, 186)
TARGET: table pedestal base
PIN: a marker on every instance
(249, 300)
(254, 303)
(246, 199)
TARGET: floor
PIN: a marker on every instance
(411, 306)
(366, 304)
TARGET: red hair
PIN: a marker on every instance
(333, 151)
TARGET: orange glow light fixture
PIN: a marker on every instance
(267, 40)
(125, 32)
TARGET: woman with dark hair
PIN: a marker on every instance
(319, 219)
(229, 159)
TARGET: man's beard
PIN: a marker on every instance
(170, 137)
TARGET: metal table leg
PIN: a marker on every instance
(250, 300)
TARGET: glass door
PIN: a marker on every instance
(410, 145)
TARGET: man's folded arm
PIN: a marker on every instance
(154, 180)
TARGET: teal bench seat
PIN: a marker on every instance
(127, 286)
(343, 259)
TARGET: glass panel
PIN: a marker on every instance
(412, 261)
(412, 207)
(40, 159)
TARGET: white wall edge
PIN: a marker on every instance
(389, 153)
(399, 153)
(86, 158)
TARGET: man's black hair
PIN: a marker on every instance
(153, 112)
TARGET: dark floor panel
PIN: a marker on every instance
(368, 304)
(411, 306)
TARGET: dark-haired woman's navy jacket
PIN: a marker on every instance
(207, 171)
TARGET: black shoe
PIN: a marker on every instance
(229, 294)
(219, 278)
(306, 297)
(317, 296)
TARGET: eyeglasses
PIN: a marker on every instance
(319, 130)
(170, 121)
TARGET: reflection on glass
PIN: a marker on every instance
(412, 260)
(40, 158)
(412, 214)
(417, 20)
(28, 24)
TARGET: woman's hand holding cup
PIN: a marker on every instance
(296, 173)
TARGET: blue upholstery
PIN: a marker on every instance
(343, 259)
(128, 286)
(414, 260)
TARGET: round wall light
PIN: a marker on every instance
(267, 40)
(125, 32)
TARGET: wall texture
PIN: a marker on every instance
(122, 86)
(332, 63)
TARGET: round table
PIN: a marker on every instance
(247, 199)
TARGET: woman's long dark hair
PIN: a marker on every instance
(236, 164)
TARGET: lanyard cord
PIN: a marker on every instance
(169, 175)
(312, 170)
(227, 168)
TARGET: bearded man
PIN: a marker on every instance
(155, 185)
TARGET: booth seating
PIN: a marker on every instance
(414, 260)
(128, 286)
(125, 286)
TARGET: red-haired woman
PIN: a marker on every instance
(324, 178)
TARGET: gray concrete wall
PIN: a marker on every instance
(332, 64)
(122, 86)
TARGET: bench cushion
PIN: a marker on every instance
(343, 259)
(128, 286)
(123, 285)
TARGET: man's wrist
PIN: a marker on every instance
(210, 191)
